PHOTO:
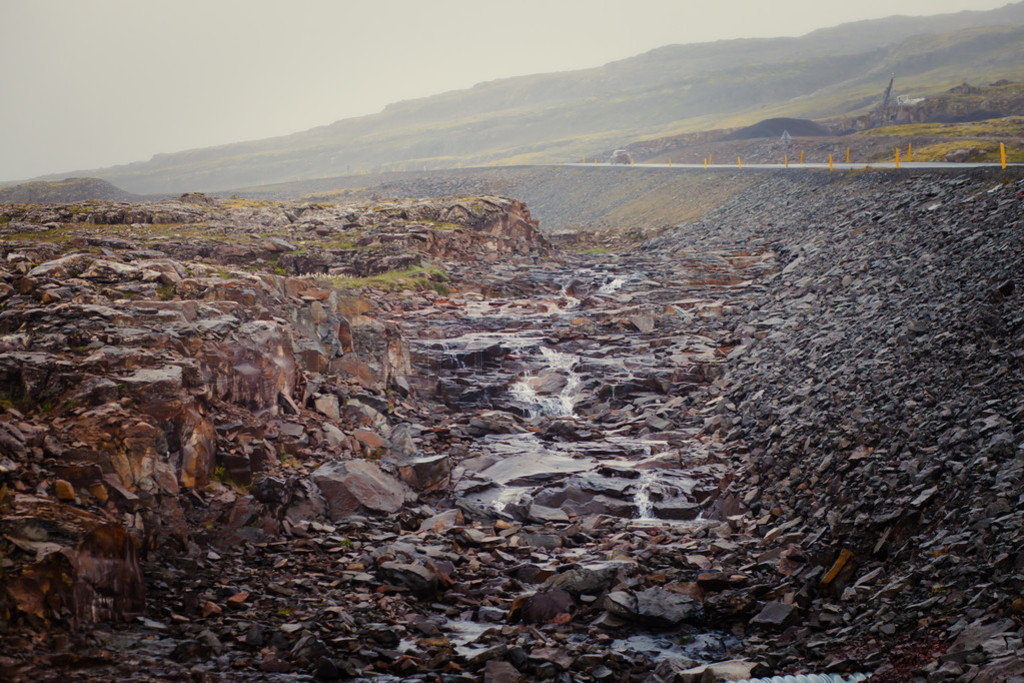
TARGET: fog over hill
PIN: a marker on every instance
(563, 116)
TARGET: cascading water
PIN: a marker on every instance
(644, 507)
(612, 286)
(513, 357)
(452, 356)
(571, 302)
(561, 404)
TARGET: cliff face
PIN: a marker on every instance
(159, 359)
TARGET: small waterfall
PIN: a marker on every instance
(644, 506)
(560, 405)
(613, 286)
(571, 302)
(454, 357)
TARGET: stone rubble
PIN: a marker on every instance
(217, 462)
(873, 409)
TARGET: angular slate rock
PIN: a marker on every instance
(353, 486)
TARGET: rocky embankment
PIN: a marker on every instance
(409, 441)
(189, 374)
(873, 408)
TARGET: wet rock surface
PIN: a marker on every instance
(409, 441)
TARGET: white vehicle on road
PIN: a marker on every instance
(620, 156)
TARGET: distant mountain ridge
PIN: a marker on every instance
(670, 90)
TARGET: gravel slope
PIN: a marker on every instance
(874, 407)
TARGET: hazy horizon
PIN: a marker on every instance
(107, 82)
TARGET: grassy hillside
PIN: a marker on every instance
(668, 91)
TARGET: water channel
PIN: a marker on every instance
(578, 398)
(577, 393)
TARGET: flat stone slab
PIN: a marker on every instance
(775, 614)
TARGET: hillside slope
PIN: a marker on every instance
(669, 90)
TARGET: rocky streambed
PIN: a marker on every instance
(577, 395)
(409, 440)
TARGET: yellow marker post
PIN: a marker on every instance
(785, 160)
(801, 157)
(847, 155)
(709, 157)
(830, 162)
(1002, 154)
(705, 162)
(670, 163)
(739, 162)
(631, 162)
(897, 157)
(908, 151)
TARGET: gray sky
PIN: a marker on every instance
(92, 83)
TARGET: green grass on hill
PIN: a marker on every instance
(990, 129)
(416, 278)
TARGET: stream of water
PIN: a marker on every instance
(563, 366)
(560, 413)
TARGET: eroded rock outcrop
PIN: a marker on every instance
(159, 359)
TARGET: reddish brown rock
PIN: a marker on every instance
(98, 579)
(501, 672)
(543, 607)
(108, 582)
(369, 439)
(64, 490)
(353, 486)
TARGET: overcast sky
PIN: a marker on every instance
(92, 83)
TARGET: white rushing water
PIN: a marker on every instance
(644, 506)
(571, 302)
(561, 404)
(610, 287)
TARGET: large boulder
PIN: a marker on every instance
(425, 473)
(358, 486)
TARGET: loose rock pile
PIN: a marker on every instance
(873, 406)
